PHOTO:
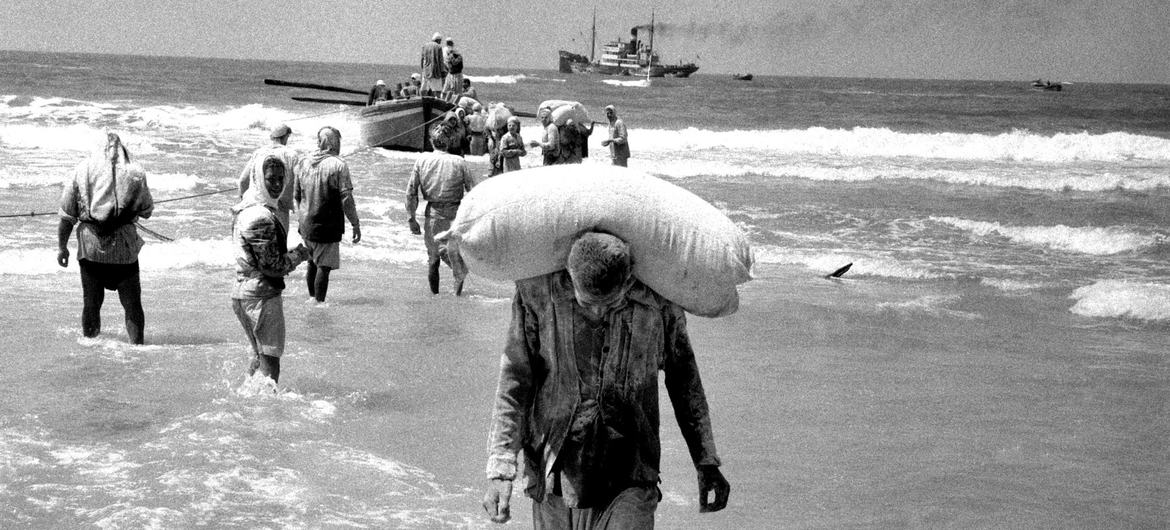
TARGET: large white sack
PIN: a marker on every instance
(521, 224)
(563, 111)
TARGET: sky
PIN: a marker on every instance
(1109, 41)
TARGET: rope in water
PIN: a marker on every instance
(165, 238)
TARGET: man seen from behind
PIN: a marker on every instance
(441, 178)
(324, 199)
(106, 195)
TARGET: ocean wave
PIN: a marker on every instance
(861, 142)
(501, 79)
(932, 305)
(1098, 241)
(863, 265)
(1123, 299)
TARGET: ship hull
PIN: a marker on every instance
(400, 125)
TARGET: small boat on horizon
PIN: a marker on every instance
(742, 77)
(1047, 85)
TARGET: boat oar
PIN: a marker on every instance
(314, 86)
(326, 100)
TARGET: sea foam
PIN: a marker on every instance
(1099, 241)
(1123, 299)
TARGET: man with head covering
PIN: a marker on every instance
(453, 83)
(618, 141)
(260, 241)
(512, 146)
(550, 142)
(578, 396)
(251, 183)
(409, 88)
(324, 198)
(434, 67)
(441, 178)
(379, 92)
(107, 195)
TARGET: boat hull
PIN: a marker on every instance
(400, 124)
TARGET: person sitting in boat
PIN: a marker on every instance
(379, 92)
(411, 88)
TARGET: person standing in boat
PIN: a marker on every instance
(441, 178)
(550, 142)
(324, 198)
(453, 83)
(107, 195)
(251, 184)
(434, 68)
(618, 141)
(260, 244)
(512, 146)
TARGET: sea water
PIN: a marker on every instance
(995, 357)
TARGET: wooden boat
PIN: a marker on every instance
(742, 77)
(400, 124)
(396, 124)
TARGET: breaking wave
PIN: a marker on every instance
(1098, 241)
(1123, 299)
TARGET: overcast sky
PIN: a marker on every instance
(1068, 40)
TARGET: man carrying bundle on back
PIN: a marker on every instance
(578, 396)
(107, 195)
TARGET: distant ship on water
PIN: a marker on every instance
(635, 57)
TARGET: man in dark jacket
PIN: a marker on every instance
(578, 396)
(324, 197)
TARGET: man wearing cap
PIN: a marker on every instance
(251, 181)
(618, 142)
(434, 67)
(324, 197)
(441, 178)
(578, 396)
(379, 92)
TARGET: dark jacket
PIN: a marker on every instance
(539, 390)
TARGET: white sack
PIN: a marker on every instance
(521, 224)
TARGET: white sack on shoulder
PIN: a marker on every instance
(521, 224)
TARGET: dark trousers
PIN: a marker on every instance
(96, 278)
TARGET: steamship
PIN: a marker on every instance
(635, 57)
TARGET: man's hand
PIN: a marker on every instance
(414, 228)
(711, 479)
(63, 257)
(498, 500)
(357, 233)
